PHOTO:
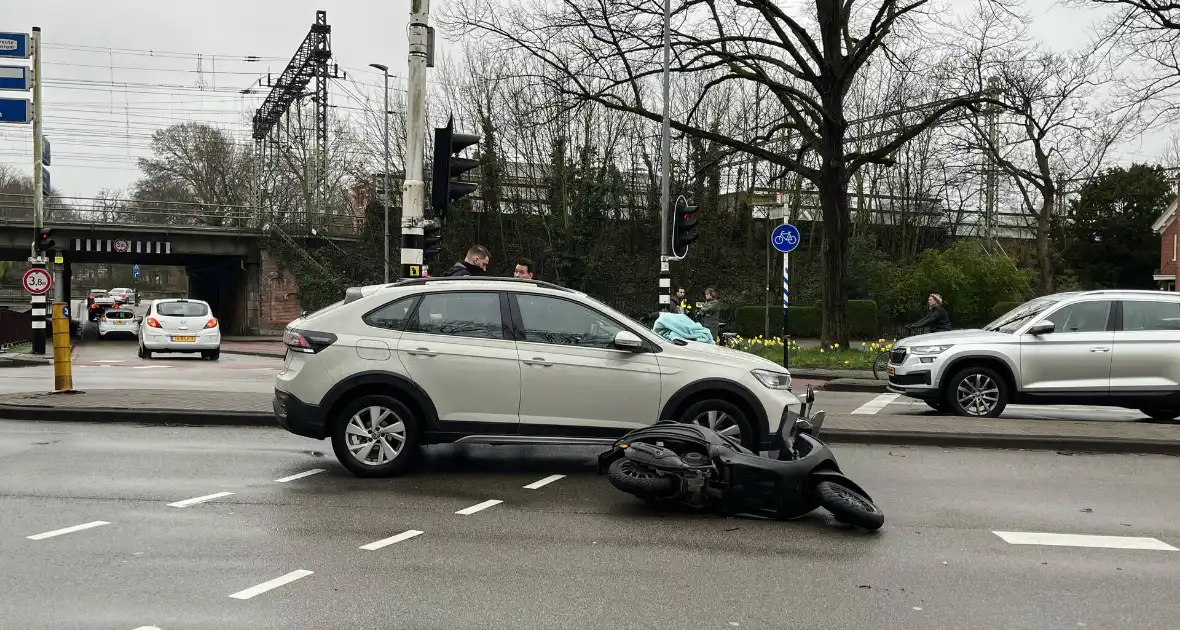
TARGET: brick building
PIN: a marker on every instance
(1169, 230)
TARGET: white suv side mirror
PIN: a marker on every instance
(627, 340)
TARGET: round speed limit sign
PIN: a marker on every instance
(37, 281)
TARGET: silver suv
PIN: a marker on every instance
(504, 361)
(1107, 348)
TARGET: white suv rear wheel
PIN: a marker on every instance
(376, 436)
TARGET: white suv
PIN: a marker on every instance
(504, 361)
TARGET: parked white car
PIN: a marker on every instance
(118, 321)
(180, 325)
(505, 361)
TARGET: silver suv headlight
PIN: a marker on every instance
(931, 350)
(773, 379)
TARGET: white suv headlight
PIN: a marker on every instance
(772, 379)
(929, 350)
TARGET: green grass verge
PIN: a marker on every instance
(859, 357)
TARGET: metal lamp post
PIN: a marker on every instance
(386, 185)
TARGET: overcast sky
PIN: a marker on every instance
(116, 71)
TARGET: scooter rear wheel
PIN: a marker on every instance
(632, 478)
(849, 506)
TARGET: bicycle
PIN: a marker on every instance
(881, 363)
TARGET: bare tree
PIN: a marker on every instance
(608, 51)
(200, 167)
(1143, 37)
(1049, 135)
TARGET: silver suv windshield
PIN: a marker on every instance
(1011, 321)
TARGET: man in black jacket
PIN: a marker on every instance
(475, 264)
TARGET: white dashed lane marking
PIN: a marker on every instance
(271, 584)
(1080, 540)
(196, 500)
(306, 473)
(544, 482)
(479, 506)
(385, 542)
(875, 405)
(68, 530)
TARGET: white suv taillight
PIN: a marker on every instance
(307, 341)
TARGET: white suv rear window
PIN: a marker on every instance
(115, 314)
(182, 309)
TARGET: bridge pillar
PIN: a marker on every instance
(280, 296)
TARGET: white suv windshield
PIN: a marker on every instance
(182, 309)
(1011, 321)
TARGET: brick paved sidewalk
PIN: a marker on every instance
(254, 348)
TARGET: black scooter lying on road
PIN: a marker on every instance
(699, 468)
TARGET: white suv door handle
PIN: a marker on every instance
(1100, 349)
(426, 352)
(538, 361)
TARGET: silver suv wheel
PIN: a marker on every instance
(375, 435)
(978, 392)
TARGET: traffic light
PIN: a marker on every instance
(445, 186)
(44, 240)
(432, 241)
(684, 229)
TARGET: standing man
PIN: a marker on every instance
(475, 264)
(677, 304)
(524, 269)
(710, 312)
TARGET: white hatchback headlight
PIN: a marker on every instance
(929, 350)
(772, 379)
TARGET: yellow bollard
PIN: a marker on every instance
(63, 377)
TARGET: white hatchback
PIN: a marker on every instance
(117, 321)
(180, 325)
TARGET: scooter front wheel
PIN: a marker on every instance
(638, 480)
(849, 506)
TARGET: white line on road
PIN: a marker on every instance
(877, 404)
(67, 530)
(306, 473)
(150, 367)
(544, 482)
(272, 584)
(196, 500)
(385, 542)
(479, 506)
(1079, 540)
(147, 628)
(109, 360)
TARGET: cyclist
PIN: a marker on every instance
(937, 320)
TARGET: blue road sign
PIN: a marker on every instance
(15, 46)
(135, 271)
(16, 78)
(16, 110)
(65, 312)
(785, 238)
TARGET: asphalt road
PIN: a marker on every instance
(572, 553)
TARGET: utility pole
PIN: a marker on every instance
(385, 188)
(36, 258)
(414, 189)
(666, 165)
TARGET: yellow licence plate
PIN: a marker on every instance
(891, 371)
(118, 323)
(184, 339)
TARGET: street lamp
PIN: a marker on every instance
(385, 69)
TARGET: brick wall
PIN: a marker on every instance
(280, 296)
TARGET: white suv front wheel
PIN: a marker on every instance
(376, 436)
(978, 392)
(723, 417)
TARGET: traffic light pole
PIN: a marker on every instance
(414, 188)
(666, 166)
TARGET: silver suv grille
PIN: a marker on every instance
(897, 356)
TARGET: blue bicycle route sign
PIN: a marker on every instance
(785, 238)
